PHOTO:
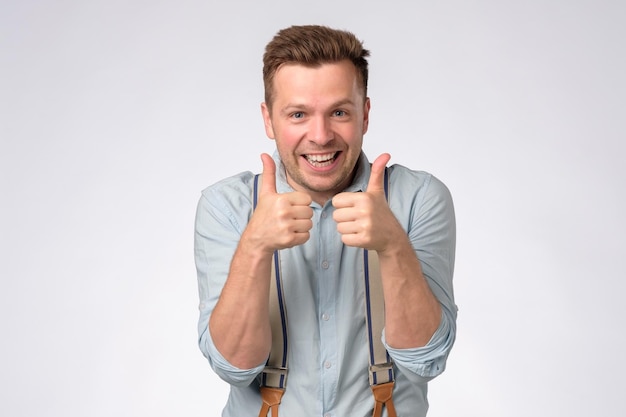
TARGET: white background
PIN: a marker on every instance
(115, 114)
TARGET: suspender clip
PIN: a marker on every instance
(378, 367)
(381, 373)
(275, 370)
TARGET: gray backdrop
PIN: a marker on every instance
(115, 114)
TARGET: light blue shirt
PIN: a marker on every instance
(328, 361)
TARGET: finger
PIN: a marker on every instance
(302, 212)
(377, 174)
(302, 226)
(343, 200)
(299, 199)
(268, 185)
(344, 216)
(300, 238)
(347, 228)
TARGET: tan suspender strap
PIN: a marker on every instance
(275, 372)
(381, 367)
(274, 376)
(381, 375)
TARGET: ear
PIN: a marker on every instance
(366, 114)
(267, 121)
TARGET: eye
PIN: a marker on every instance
(297, 115)
(339, 113)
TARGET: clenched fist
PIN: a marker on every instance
(279, 221)
(364, 219)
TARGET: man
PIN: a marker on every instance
(320, 205)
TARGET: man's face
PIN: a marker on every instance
(318, 119)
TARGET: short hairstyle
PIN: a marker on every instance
(312, 45)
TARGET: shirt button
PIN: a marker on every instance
(324, 215)
(327, 365)
(325, 264)
(325, 317)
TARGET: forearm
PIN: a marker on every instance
(239, 324)
(412, 312)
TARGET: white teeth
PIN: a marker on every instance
(320, 158)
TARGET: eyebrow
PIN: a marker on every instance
(297, 106)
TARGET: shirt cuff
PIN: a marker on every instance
(228, 372)
(430, 360)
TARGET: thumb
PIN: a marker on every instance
(268, 186)
(377, 174)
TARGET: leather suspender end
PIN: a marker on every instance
(271, 400)
(383, 398)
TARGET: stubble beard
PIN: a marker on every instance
(342, 180)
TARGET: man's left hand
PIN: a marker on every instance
(364, 219)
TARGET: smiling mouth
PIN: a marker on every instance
(321, 160)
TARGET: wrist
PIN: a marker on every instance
(397, 243)
(255, 247)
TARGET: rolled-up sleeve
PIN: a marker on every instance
(431, 227)
(220, 220)
(428, 361)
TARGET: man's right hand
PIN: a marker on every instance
(279, 221)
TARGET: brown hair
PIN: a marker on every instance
(312, 46)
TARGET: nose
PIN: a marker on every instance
(321, 132)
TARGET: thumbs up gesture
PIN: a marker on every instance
(280, 220)
(364, 219)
